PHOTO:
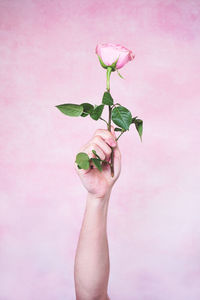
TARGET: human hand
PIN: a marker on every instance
(100, 183)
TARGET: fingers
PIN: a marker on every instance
(107, 136)
(94, 146)
(101, 142)
(88, 150)
(105, 140)
(98, 140)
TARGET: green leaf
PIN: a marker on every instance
(122, 117)
(97, 163)
(118, 129)
(82, 159)
(107, 99)
(70, 109)
(87, 109)
(139, 127)
(133, 119)
(96, 114)
(96, 154)
(84, 115)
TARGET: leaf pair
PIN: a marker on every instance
(83, 110)
(83, 161)
(87, 109)
(121, 116)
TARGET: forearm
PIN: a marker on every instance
(91, 269)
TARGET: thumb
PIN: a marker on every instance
(113, 131)
(116, 155)
(117, 160)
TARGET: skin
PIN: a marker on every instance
(92, 264)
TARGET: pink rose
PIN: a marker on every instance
(109, 53)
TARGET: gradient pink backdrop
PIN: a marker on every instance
(47, 58)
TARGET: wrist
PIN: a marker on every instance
(101, 198)
(98, 201)
(97, 206)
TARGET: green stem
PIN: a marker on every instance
(115, 105)
(120, 135)
(104, 120)
(105, 161)
(109, 117)
(109, 70)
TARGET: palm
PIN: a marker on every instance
(97, 182)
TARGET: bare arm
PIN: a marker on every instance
(92, 256)
(92, 265)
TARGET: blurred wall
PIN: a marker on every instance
(47, 57)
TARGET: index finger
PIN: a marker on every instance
(108, 136)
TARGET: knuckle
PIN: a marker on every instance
(110, 139)
(85, 149)
(92, 145)
(97, 138)
(109, 133)
(103, 156)
(98, 131)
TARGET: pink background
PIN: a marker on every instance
(47, 58)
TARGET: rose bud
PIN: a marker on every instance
(113, 55)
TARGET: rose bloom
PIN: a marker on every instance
(109, 53)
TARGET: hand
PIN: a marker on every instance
(100, 183)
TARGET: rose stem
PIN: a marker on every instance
(104, 120)
(120, 135)
(109, 70)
